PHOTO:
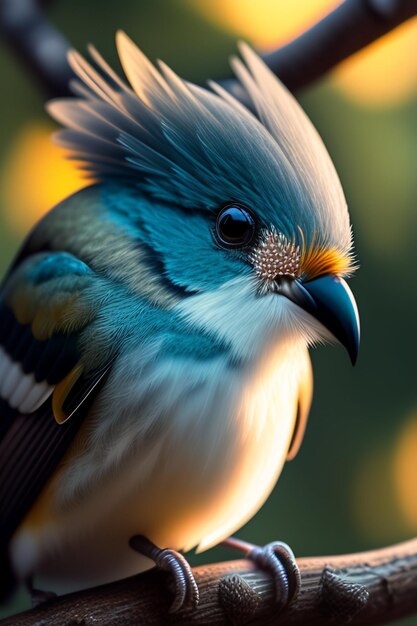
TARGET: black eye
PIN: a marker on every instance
(235, 226)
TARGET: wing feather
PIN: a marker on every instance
(42, 376)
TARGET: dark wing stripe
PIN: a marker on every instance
(22, 480)
(67, 359)
(12, 338)
(7, 416)
(23, 344)
(22, 497)
(9, 452)
(48, 360)
(22, 461)
(32, 356)
(33, 447)
(6, 323)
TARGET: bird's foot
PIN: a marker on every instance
(278, 559)
(186, 594)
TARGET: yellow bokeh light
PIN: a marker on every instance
(382, 74)
(374, 510)
(35, 177)
(405, 472)
(385, 488)
(385, 73)
(265, 23)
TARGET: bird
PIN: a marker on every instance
(155, 326)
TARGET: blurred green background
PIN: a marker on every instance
(354, 483)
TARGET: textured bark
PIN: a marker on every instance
(360, 589)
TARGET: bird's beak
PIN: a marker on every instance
(331, 302)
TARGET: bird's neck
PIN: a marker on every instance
(252, 326)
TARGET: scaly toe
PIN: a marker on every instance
(186, 590)
(287, 558)
(278, 559)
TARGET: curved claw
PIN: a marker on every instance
(278, 558)
(186, 594)
(287, 558)
(186, 590)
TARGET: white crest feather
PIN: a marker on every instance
(182, 143)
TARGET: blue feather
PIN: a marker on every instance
(184, 145)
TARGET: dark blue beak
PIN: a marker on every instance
(331, 302)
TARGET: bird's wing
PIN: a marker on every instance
(45, 388)
(305, 394)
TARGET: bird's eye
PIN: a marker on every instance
(235, 226)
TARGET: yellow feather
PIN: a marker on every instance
(61, 392)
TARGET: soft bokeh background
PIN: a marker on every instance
(354, 484)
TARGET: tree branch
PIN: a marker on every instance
(353, 25)
(363, 589)
(39, 46)
(349, 28)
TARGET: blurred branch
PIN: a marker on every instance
(350, 27)
(361, 589)
(353, 25)
(40, 46)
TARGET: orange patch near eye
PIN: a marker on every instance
(318, 261)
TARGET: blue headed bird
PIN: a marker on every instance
(155, 326)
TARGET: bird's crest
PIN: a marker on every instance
(197, 148)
